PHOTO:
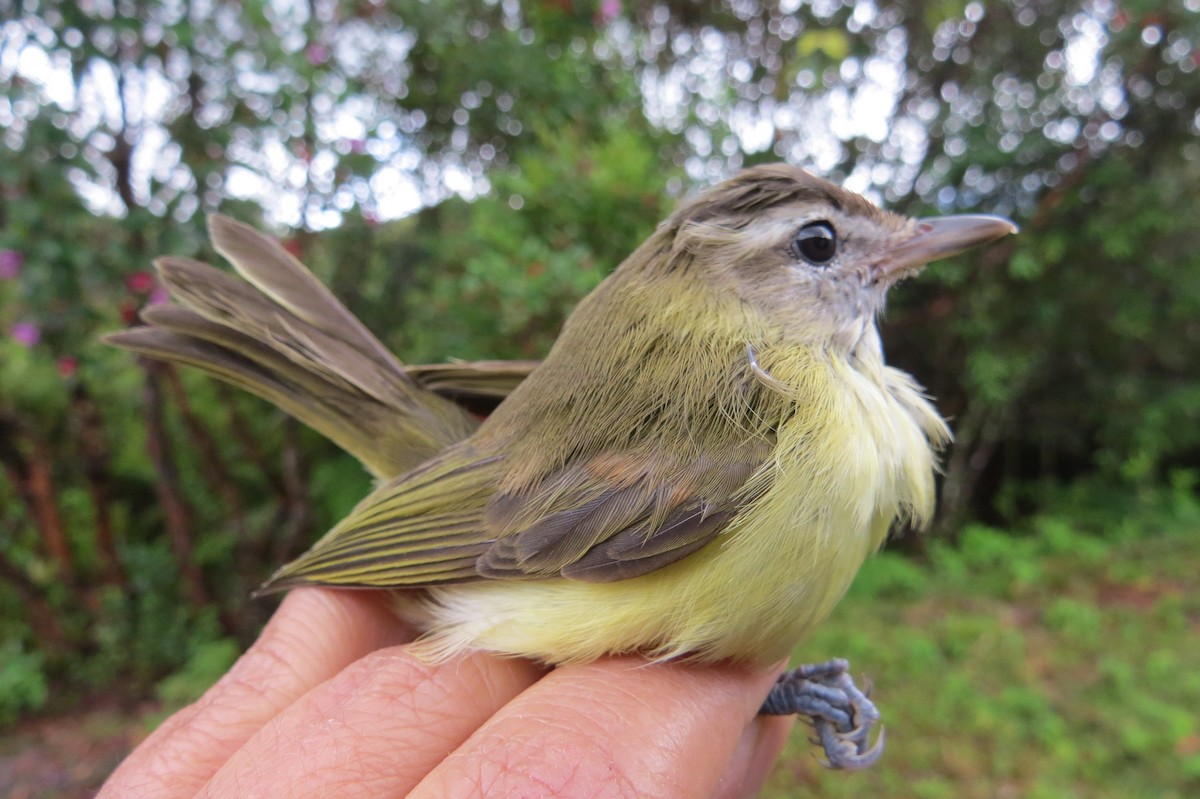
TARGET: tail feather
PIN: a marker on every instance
(265, 264)
(363, 427)
(237, 306)
(478, 385)
(283, 336)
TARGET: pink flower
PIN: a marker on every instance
(140, 283)
(609, 10)
(10, 264)
(316, 54)
(159, 296)
(68, 365)
(26, 334)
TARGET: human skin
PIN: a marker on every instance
(329, 702)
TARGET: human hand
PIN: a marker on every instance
(329, 702)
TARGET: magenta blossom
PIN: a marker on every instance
(26, 333)
(609, 10)
(10, 264)
(68, 365)
(159, 296)
(316, 54)
(139, 283)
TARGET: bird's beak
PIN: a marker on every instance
(940, 237)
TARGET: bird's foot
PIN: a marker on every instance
(841, 715)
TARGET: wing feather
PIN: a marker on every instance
(423, 528)
(591, 521)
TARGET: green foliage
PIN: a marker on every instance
(206, 662)
(1069, 677)
(576, 202)
(23, 684)
(1104, 310)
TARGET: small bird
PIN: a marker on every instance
(699, 467)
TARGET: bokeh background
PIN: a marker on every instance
(461, 174)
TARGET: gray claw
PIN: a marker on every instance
(841, 714)
(842, 753)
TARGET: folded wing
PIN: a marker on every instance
(602, 519)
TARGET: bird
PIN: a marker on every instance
(708, 453)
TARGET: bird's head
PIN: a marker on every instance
(814, 259)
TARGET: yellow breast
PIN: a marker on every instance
(855, 455)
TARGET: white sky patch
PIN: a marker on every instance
(270, 172)
(868, 110)
(754, 127)
(396, 192)
(36, 66)
(1082, 52)
(458, 180)
(243, 182)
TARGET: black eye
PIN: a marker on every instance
(816, 243)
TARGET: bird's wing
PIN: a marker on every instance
(612, 517)
(423, 528)
(606, 518)
(478, 385)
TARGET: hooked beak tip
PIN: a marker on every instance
(940, 237)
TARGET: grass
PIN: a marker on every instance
(1057, 664)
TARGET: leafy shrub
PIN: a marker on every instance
(23, 683)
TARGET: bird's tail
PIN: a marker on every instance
(282, 335)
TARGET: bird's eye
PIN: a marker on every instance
(816, 243)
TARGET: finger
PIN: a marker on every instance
(315, 634)
(375, 729)
(757, 751)
(632, 728)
